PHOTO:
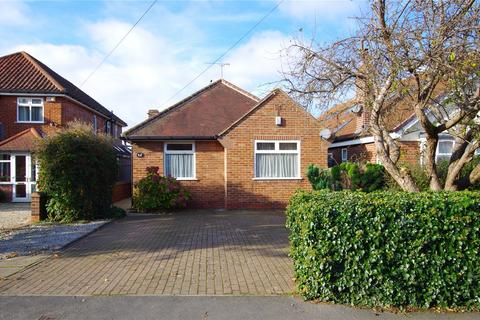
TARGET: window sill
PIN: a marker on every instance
(30, 122)
(274, 179)
(186, 179)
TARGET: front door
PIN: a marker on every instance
(23, 177)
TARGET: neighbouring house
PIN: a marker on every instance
(36, 101)
(229, 148)
(351, 141)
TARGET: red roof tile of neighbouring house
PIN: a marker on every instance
(343, 121)
(22, 73)
(22, 141)
(202, 115)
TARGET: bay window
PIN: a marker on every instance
(277, 160)
(30, 110)
(180, 160)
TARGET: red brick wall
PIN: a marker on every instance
(409, 152)
(245, 192)
(8, 117)
(207, 190)
(56, 114)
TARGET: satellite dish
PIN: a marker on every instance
(356, 108)
(325, 134)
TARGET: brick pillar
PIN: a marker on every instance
(39, 211)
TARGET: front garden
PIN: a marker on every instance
(359, 240)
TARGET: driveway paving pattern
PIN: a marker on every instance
(201, 252)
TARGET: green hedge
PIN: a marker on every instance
(387, 249)
(78, 169)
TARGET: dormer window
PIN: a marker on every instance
(30, 110)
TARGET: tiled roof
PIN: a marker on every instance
(22, 73)
(203, 115)
(343, 122)
(22, 141)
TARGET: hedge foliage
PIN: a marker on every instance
(367, 177)
(78, 169)
(156, 193)
(387, 249)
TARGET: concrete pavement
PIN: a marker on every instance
(198, 308)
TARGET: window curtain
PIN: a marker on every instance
(23, 113)
(276, 165)
(36, 114)
(179, 165)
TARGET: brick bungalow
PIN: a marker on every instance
(36, 101)
(349, 123)
(229, 148)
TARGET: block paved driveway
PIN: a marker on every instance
(186, 253)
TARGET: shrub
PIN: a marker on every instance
(385, 249)
(78, 169)
(319, 178)
(3, 196)
(348, 175)
(157, 193)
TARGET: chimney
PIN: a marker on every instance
(361, 93)
(152, 113)
(363, 120)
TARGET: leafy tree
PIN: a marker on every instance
(424, 53)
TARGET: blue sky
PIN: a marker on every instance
(169, 47)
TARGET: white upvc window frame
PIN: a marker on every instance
(344, 159)
(9, 161)
(277, 151)
(165, 151)
(30, 105)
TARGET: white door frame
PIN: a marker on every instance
(28, 178)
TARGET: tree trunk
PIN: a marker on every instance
(430, 165)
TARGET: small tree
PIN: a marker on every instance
(78, 169)
(424, 53)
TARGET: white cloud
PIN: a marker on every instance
(149, 67)
(13, 13)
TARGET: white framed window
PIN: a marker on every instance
(179, 160)
(5, 167)
(277, 159)
(344, 154)
(444, 150)
(95, 123)
(30, 110)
